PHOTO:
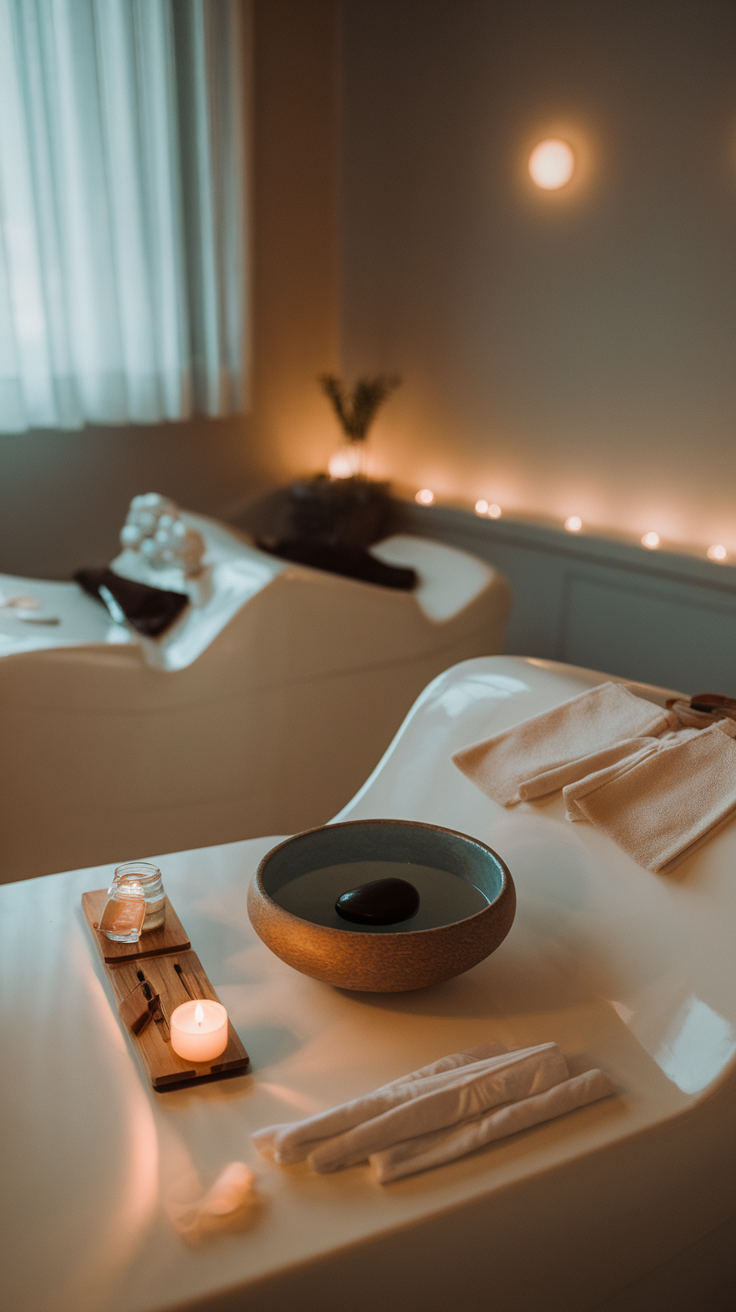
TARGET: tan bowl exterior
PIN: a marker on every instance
(381, 963)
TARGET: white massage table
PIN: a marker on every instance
(263, 708)
(626, 1205)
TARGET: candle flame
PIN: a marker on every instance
(198, 1014)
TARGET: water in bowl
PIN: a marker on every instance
(443, 897)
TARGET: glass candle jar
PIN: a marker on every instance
(123, 915)
(143, 876)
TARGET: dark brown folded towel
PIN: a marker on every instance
(150, 610)
(352, 562)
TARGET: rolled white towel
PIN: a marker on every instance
(292, 1141)
(443, 1101)
(427, 1150)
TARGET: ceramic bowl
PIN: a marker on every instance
(397, 957)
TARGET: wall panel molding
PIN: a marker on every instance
(661, 616)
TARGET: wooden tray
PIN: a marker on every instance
(171, 937)
(166, 967)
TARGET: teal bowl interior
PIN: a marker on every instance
(331, 860)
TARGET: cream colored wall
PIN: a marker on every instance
(63, 496)
(562, 353)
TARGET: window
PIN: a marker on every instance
(122, 210)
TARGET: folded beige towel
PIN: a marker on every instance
(294, 1140)
(428, 1150)
(471, 1091)
(554, 749)
(628, 767)
(661, 801)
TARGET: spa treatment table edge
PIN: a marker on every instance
(625, 970)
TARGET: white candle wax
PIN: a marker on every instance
(199, 1030)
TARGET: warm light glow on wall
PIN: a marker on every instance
(717, 553)
(341, 465)
(651, 541)
(573, 524)
(551, 164)
(424, 497)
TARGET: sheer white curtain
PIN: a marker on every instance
(122, 211)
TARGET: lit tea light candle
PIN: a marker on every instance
(650, 540)
(573, 524)
(494, 511)
(424, 496)
(199, 1030)
(717, 553)
(341, 465)
(481, 507)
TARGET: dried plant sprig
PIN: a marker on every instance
(357, 413)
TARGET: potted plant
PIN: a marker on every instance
(334, 517)
(355, 416)
(344, 506)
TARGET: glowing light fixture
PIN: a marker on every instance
(650, 540)
(717, 553)
(573, 524)
(425, 497)
(341, 465)
(551, 164)
(482, 507)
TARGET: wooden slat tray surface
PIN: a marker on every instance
(171, 937)
(176, 975)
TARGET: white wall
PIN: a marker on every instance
(562, 353)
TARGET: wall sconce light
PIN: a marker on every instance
(551, 164)
(573, 524)
(717, 553)
(425, 497)
(651, 541)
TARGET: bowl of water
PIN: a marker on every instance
(382, 906)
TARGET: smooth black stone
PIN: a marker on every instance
(379, 902)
